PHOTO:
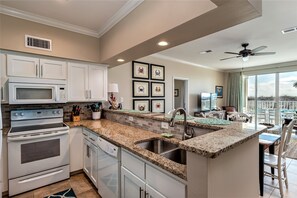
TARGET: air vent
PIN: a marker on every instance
(289, 30)
(38, 43)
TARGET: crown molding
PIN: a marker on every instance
(119, 15)
(46, 21)
(184, 62)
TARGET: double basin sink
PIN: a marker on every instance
(166, 149)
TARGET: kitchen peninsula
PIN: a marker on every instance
(222, 160)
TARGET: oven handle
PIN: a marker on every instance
(40, 177)
(58, 133)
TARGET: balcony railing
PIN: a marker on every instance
(284, 106)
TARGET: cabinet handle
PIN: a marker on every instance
(85, 134)
(140, 192)
(88, 151)
(86, 94)
(92, 139)
(41, 70)
(146, 194)
(90, 94)
(36, 70)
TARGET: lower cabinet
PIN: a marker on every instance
(76, 151)
(90, 163)
(141, 179)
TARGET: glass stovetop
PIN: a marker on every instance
(36, 127)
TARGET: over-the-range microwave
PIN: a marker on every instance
(36, 91)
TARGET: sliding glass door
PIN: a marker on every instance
(271, 98)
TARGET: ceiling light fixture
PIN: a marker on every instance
(289, 30)
(120, 60)
(163, 43)
(245, 58)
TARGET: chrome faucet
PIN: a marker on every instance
(186, 134)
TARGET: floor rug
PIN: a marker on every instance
(69, 193)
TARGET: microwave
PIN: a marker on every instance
(36, 91)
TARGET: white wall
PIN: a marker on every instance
(200, 80)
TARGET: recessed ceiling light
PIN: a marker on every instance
(289, 30)
(120, 60)
(163, 43)
(206, 52)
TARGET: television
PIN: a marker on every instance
(207, 101)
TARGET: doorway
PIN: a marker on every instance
(180, 93)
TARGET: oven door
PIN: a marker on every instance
(37, 152)
(23, 93)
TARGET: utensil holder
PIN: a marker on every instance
(96, 115)
(75, 118)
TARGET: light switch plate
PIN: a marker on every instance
(164, 125)
(130, 118)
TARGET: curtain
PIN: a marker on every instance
(234, 90)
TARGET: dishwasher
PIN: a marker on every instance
(108, 169)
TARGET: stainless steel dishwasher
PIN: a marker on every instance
(108, 169)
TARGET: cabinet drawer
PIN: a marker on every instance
(93, 137)
(133, 164)
(163, 183)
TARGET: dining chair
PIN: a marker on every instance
(279, 161)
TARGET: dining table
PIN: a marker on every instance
(265, 140)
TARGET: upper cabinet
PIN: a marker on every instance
(87, 82)
(23, 66)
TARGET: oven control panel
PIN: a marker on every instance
(36, 114)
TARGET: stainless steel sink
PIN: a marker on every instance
(166, 149)
(177, 155)
(157, 146)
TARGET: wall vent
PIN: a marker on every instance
(289, 30)
(38, 43)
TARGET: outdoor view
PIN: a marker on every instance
(270, 107)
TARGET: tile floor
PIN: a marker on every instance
(291, 192)
(82, 187)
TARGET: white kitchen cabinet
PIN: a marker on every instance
(4, 79)
(87, 82)
(31, 67)
(90, 161)
(22, 66)
(76, 149)
(158, 183)
(131, 185)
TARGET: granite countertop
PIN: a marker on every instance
(126, 137)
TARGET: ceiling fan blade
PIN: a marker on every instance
(231, 53)
(230, 58)
(263, 53)
(258, 49)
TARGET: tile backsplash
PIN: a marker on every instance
(67, 108)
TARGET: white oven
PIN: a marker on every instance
(36, 91)
(38, 147)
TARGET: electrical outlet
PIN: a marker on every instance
(130, 118)
(164, 125)
(121, 99)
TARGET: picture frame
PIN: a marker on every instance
(176, 92)
(140, 70)
(219, 91)
(157, 72)
(140, 88)
(157, 89)
(141, 104)
(158, 105)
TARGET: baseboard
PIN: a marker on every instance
(76, 172)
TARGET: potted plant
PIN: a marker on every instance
(75, 113)
(96, 109)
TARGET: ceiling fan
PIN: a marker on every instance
(246, 53)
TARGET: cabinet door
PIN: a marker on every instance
(97, 83)
(152, 193)
(131, 185)
(22, 66)
(52, 69)
(76, 149)
(77, 82)
(94, 161)
(87, 158)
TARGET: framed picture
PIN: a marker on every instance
(140, 88)
(141, 104)
(140, 70)
(158, 89)
(176, 92)
(158, 105)
(219, 91)
(157, 72)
